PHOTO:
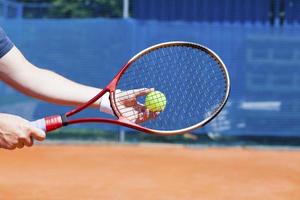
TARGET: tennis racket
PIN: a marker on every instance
(192, 77)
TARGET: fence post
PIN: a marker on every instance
(125, 9)
(122, 135)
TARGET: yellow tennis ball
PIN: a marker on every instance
(156, 101)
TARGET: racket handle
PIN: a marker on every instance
(48, 124)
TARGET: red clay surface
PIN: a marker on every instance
(148, 172)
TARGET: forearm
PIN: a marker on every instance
(43, 84)
(51, 87)
(69, 92)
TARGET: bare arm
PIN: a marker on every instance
(43, 84)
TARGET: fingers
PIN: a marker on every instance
(5, 145)
(131, 108)
(139, 113)
(20, 145)
(26, 138)
(37, 133)
(142, 91)
(9, 146)
(146, 115)
(9, 141)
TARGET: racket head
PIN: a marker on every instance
(193, 78)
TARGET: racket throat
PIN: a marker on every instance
(64, 120)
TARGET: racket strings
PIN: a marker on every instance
(164, 81)
(192, 81)
(164, 63)
(138, 75)
(127, 94)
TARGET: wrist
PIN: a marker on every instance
(105, 105)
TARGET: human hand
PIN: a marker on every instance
(16, 132)
(130, 108)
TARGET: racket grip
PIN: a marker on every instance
(48, 124)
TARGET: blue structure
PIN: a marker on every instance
(203, 10)
(263, 58)
(263, 62)
(232, 11)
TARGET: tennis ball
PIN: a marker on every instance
(156, 101)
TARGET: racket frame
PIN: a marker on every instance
(57, 121)
(166, 44)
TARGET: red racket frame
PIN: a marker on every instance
(57, 121)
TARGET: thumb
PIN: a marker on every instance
(37, 133)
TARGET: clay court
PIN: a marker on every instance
(126, 172)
